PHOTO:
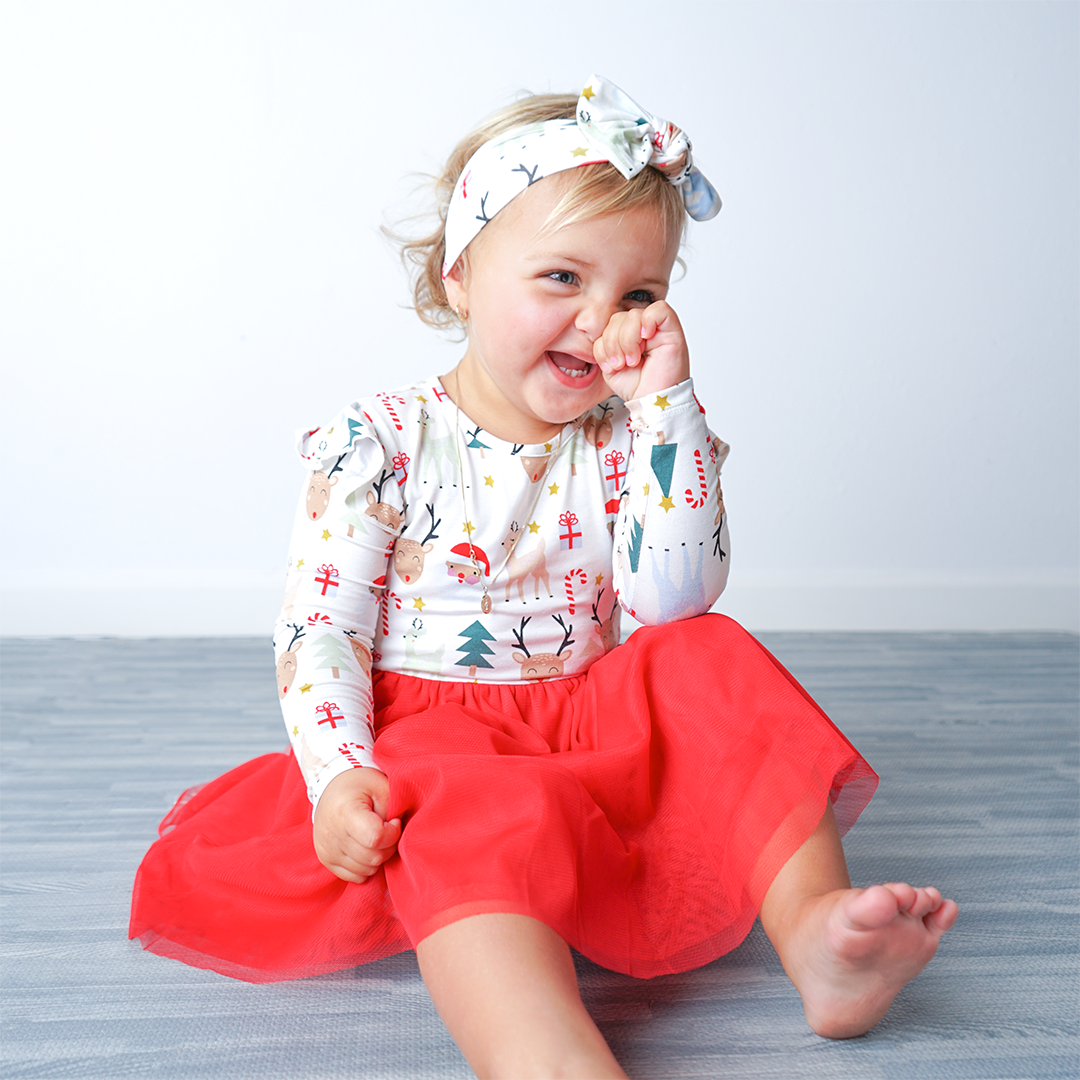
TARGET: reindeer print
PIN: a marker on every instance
(519, 567)
(360, 651)
(598, 429)
(318, 492)
(409, 554)
(440, 450)
(608, 628)
(382, 512)
(535, 466)
(540, 666)
(286, 662)
(417, 661)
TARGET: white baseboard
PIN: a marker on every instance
(904, 602)
(758, 601)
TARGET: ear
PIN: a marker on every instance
(456, 285)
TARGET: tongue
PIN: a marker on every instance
(565, 360)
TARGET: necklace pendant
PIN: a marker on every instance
(485, 604)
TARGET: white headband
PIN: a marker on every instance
(609, 126)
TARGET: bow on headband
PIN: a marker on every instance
(609, 126)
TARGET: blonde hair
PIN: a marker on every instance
(591, 191)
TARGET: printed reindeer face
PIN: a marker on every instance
(362, 654)
(534, 466)
(382, 512)
(286, 662)
(608, 628)
(539, 666)
(598, 432)
(409, 554)
(318, 492)
(409, 559)
(543, 665)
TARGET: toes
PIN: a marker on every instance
(872, 908)
(905, 895)
(943, 917)
(926, 901)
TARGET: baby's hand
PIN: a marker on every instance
(352, 837)
(642, 350)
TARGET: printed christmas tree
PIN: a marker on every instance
(352, 518)
(634, 544)
(333, 654)
(475, 650)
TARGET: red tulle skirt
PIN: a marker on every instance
(641, 810)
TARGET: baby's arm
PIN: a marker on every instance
(671, 553)
(337, 565)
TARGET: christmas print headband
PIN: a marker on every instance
(609, 126)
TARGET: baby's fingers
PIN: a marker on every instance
(358, 859)
(620, 344)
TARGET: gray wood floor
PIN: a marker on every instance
(975, 737)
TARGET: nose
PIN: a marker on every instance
(594, 316)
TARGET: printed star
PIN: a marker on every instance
(489, 480)
(419, 604)
(579, 152)
(329, 431)
(295, 730)
(468, 527)
(599, 578)
(421, 399)
(299, 563)
(662, 401)
(547, 448)
(588, 93)
(645, 490)
(305, 688)
(553, 489)
(667, 503)
(326, 534)
(534, 526)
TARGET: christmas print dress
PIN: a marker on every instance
(451, 617)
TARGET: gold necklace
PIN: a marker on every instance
(485, 600)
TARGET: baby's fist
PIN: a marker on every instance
(643, 350)
(352, 838)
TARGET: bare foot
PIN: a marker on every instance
(856, 948)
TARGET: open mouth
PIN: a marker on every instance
(572, 366)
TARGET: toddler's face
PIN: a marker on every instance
(537, 301)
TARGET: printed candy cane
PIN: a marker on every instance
(349, 755)
(385, 605)
(580, 575)
(385, 399)
(691, 501)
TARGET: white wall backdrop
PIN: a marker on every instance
(883, 319)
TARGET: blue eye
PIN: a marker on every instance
(563, 277)
(640, 296)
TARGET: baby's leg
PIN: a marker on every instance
(506, 989)
(848, 951)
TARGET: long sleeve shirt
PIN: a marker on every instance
(410, 509)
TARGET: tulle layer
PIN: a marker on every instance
(640, 810)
